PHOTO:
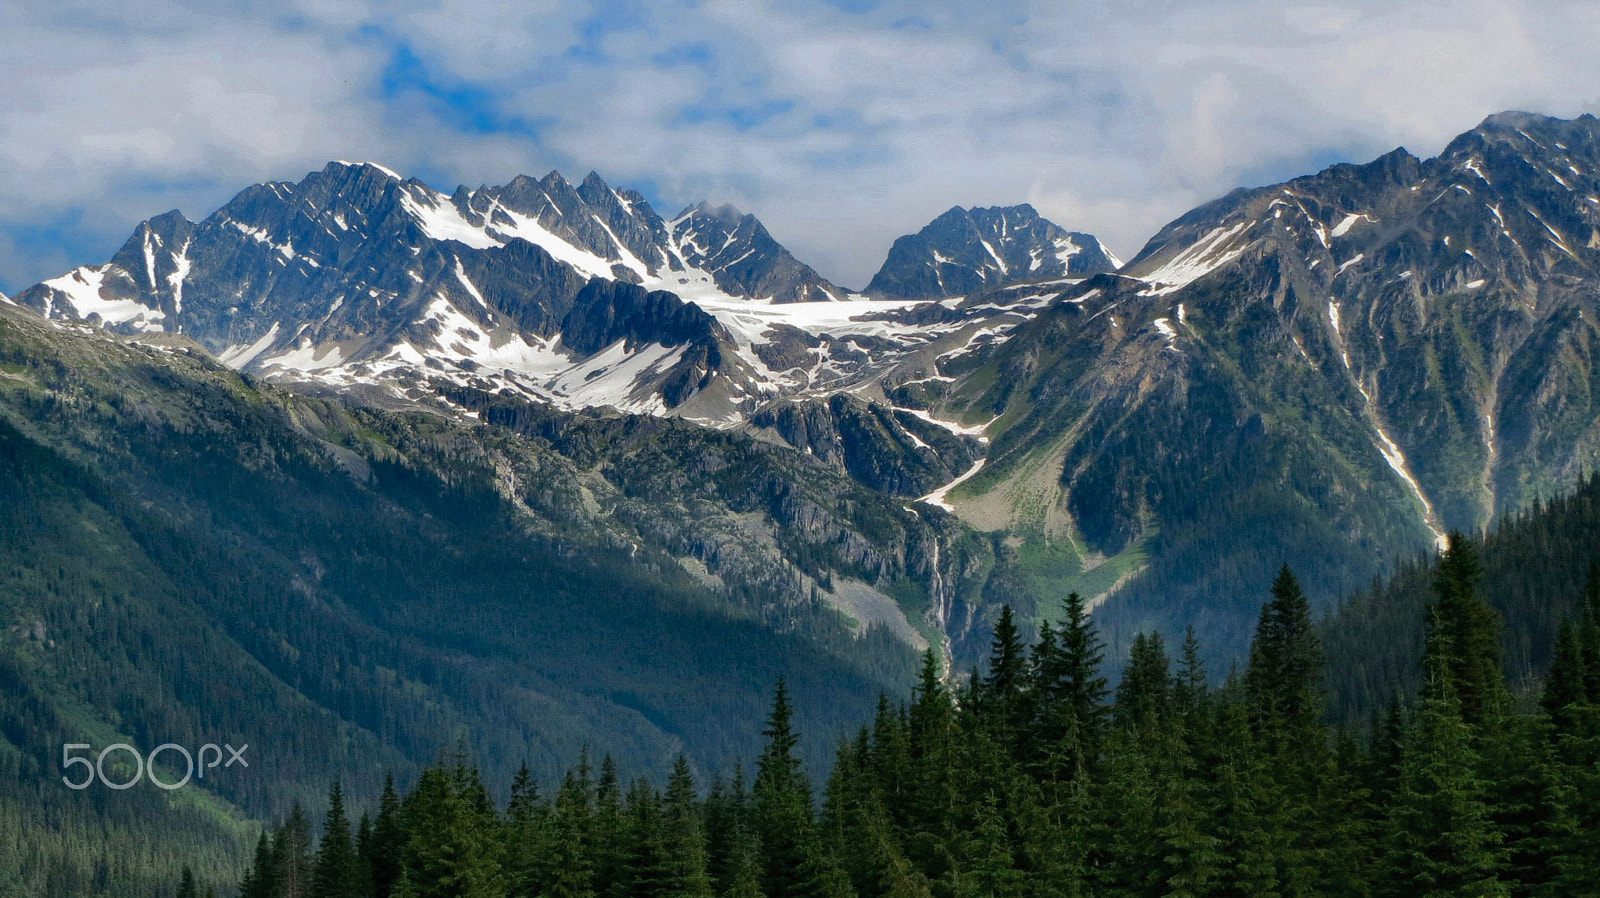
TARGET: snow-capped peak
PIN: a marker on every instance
(966, 251)
(372, 165)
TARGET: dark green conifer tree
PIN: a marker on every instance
(891, 761)
(684, 837)
(1144, 697)
(1284, 678)
(565, 865)
(1383, 758)
(931, 713)
(1441, 840)
(1467, 633)
(1142, 805)
(609, 834)
(260, 880)
(364, 848)
(1242, 802)
(336, 872)
(859, 832)
(1576, 726)
(745, 868)
(848, 792)
(1589, 632)
(1154, 838)
(525, 826)
(989, 860)
(820, 874)
(1069, 696)
(1567, 684)
(782, 803)
(646, 872)
(1526, 803)
(452, 852)
(999, 696)
(524, 804)
(726, 809)
(1283, 689)
(388, 842)
(291, 855)
(1189, 689)
(1044, 663)
(1577, 841)
(933, 753)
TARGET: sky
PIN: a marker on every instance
(842, 125)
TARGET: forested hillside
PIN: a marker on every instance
(1537, 565)
(1035, 780)
(187, 556)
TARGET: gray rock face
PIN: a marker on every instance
(748, 262)
(971, 250)
(608, 312)
(888, 449)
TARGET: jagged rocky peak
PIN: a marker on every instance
(1580, 129)
(603, 231)
(333, 195)
(1514, 197)
(356, 277)
(154, 256)
(348, 211)
(745, 257)
(971, 250)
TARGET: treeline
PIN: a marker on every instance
(1535, 565)
(1033, 779)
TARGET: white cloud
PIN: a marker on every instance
(841, 130)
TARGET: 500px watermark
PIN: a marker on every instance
(145, 765)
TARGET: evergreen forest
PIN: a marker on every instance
(1034, 777)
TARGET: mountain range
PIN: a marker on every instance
(1318, 371)
(1321, 370)
(354, 279)
(1333, 371)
